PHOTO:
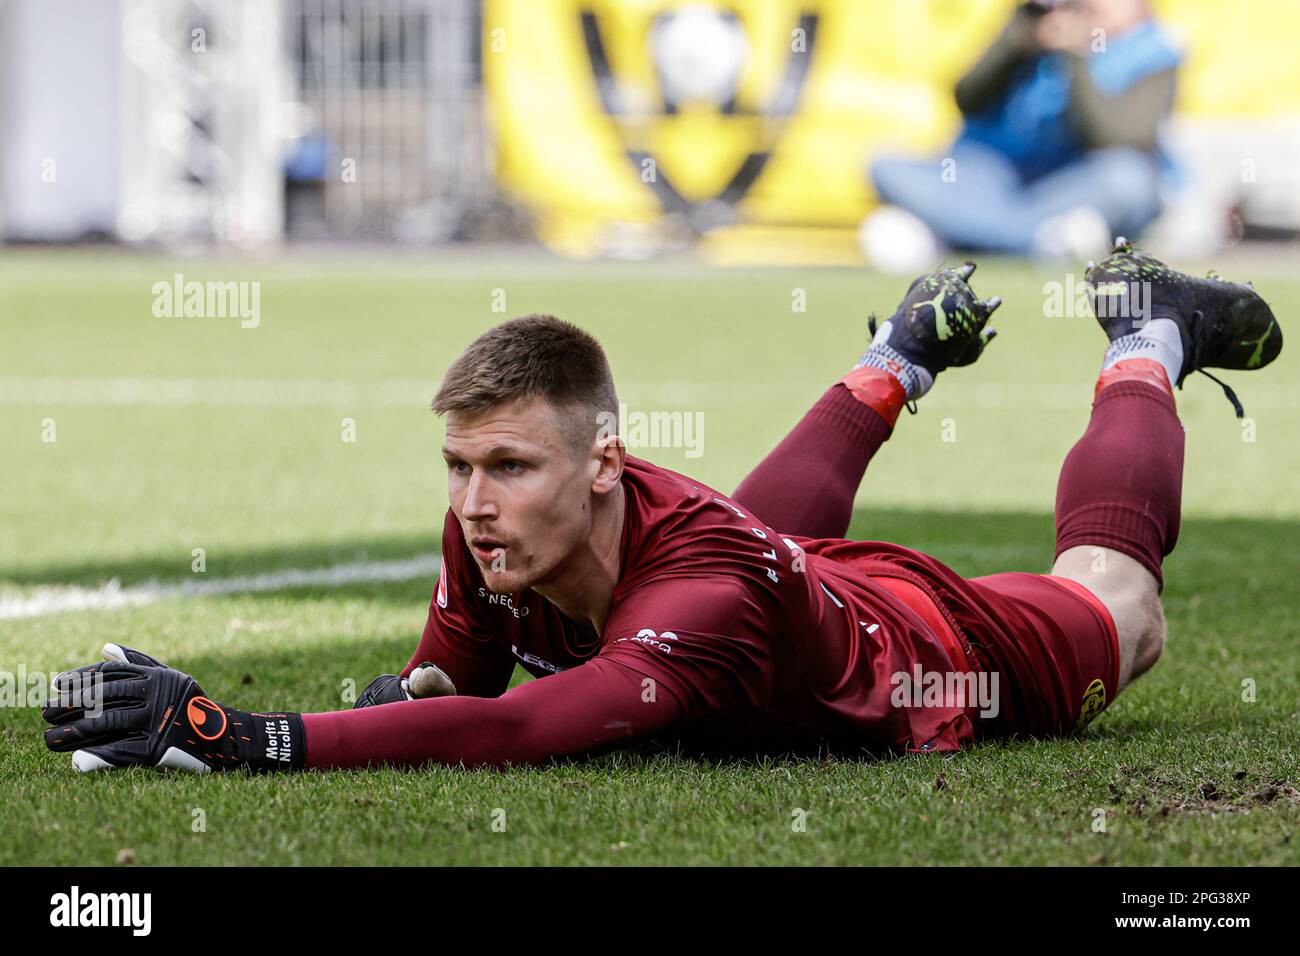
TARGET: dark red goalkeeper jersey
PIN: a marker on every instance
(720, 627)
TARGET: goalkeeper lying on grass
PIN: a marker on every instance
(651, 606)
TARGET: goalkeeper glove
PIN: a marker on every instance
(133, 710)
(427, 680)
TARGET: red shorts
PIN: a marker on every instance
(1049, 639)
(1058, 630)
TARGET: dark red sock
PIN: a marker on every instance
(806, 485)
(1121, 484)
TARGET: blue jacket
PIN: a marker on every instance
(1030, 125)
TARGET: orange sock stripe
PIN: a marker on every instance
(878, 390)
(1147, 371)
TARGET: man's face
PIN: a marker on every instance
(521, 492)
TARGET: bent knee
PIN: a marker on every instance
(1131, 596)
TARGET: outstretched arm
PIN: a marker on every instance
(676, 649)
(133, 710)
(806, 485)
(595, 707)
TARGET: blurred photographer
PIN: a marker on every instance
(1059, 150)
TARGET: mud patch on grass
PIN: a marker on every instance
(1145, 791)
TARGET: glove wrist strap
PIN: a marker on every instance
(283, 741)
(264, 741)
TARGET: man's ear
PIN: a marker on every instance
(611, 456)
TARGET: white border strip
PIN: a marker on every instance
(57, 599)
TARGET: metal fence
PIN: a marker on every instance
(241, 121)
(392, 140)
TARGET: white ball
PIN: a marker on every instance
(897, 242)
(700, 53)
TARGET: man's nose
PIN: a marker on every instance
(479, 504)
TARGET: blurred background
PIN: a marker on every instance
(242, 240)
(355, 189)
(742, 132)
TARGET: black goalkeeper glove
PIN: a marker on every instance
(133, 710)
(427, 680)
(385, 689)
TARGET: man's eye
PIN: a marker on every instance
(459, 467)
(512, 466)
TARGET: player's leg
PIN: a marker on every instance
(1118, 500)
(806, 485)
(1130, 594)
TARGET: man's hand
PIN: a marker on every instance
(133, 710)
(427, 680)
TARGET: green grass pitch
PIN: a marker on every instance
(159, 450)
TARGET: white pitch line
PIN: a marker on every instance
(57, 599)
(415, 393)
(252, 392)
(307, 393)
